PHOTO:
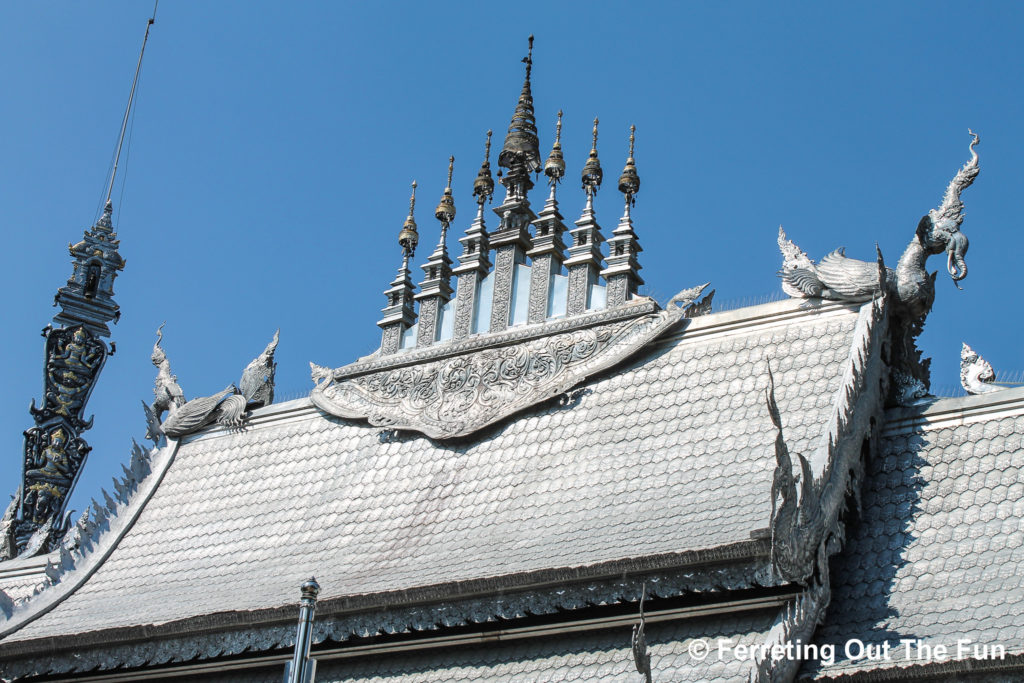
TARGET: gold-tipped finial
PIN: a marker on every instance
(554, 168)
(483, 186)
(629, 181)
(592, 173)
(445, 211)
(408, 238)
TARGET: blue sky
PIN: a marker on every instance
(274, 143)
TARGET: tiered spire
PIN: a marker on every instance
(521, 152)
(54, 450)
(588, 284)
(399, 314)
(436, 288)
(88, 297)
(473, 263)
(584, 260)
(622, 274)
(511, 241)
(548, 247)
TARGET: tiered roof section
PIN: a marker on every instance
(934, 562)
(661, 472)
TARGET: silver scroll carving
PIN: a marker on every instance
(456, 396)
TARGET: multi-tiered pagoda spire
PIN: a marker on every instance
(400, 313)
(548, 249)
(54, 450)
(623, 272)
(474, 262)
(534, 278)
(584, 262)
(511, 241)
(436, 288)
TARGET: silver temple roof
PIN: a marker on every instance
(937, 553)
(671, 454)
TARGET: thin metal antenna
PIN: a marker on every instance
(131, 98)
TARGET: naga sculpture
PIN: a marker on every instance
(976, 374)
(257, 383)
(910, 287)
(227, 407)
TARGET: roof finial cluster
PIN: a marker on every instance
(554, 168)
(522, 239)
(408, 238)
(592, 173)
(629, 181)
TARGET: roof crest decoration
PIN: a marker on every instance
(534, 280)
(911, 286)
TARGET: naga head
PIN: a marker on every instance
(940, 229)
(158, 357)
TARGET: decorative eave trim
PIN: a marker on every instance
(738, 566)
(805, 519)
(634, 309)
(744, 320)
(92, 540)
(794, 624)
(453, 397)
(948, 412)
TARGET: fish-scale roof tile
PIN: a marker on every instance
(936, 553)
(640, 465)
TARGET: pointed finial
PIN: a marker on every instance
(483, 186)
(528, 59)
(105, 220)
(521, 151)
(592, 173)
(445, 211)
(554, 168)
(408, 238)
(629, 181)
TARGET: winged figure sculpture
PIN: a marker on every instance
(910, 286)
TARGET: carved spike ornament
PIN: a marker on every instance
(976, 374)
(461, 394)
(911, 286)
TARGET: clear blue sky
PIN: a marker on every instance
(274, 143)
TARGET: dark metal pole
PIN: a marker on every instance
(301, 669)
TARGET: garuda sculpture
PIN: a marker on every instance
(227, 407)
(911, 289)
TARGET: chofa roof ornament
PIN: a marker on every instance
(910, 286)
(228, 407)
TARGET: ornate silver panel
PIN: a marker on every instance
(390, 338)
(504, 267)
(428, 321)
(540, 285)
(579, 286)
(617, 290)
(464, 303)
(458, 395)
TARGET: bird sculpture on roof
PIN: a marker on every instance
(167, 394)
(909, 285)
(227, 407)
(257, 382)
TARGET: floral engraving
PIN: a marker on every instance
(458, 395)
